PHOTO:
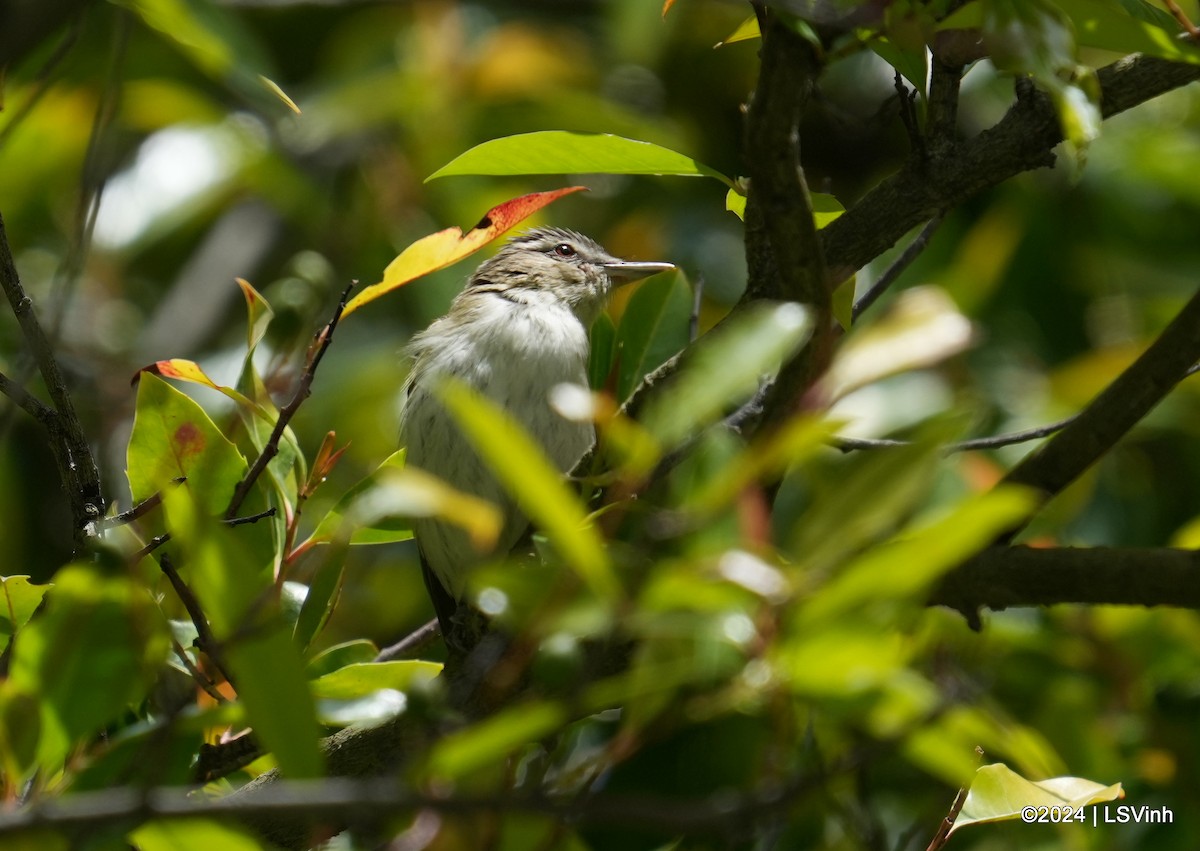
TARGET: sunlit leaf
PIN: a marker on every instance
(799, 439)
(826, 208)
(724, 368)
(233, 585)
(744, 31)
(186, 370)
(870, 498)
(193, 835)
(539, 489)
(905, 568)
(566, 152)
(487, 742)
(359, 680)
(258, 314)
(440, 249)
(275, 89)
(380, 508)
(842, 662)
(99, 636)
(19, 601)
(911, 62)
(998, 793)
(1128, 26)
(173, 437)
(923, 327)
(341, 655)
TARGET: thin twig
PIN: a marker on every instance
(76, 465)
(158, 540)
(153, 544)
(196, 674)
(140, 510)
(204, 633)
(911, 253)
(908, 116)
(1118, 408)
(324, 338)
(334, 799)
(27, 403)
(852, 444)
(251, 518)
(1183, 19)
(943, 832)
(414, 642)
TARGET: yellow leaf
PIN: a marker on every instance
(439, 250)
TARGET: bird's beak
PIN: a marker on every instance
(624, 271)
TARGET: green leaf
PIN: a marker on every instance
(1034, 37)
(735, 202)
(360, 680)
(826, 208)
(871, 496)
(234, 589)
(654, 326)
(724, 368)
(341, 655)
(600, 359)
(905, 569)
(193, 834)
(172, 437)
(539, 489)
(912, 63)
(799, 439)
(564, 152)
(999, 794)
(20, 600)
(921, 328)
(322, 596)
(488, 742)
(20, 731)
(842, 662)
(271, 683)
(1127, 26)
(380, 508)
(216, 42)
(93, 652)
(744, 31)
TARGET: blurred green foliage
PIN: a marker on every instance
(774, 588)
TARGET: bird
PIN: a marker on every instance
(517, 330)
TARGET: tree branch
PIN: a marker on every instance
(1002, 577)
(319, 347)
(76, 466)
(1021, 141)
(1121, 405)
(783, 249)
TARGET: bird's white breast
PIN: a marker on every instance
(513, 353)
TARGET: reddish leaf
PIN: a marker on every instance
(439, 250)
(186, 370)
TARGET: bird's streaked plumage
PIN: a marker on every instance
(517, 330)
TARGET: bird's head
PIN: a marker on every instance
(563, 264)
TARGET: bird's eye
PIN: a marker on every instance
(564, 249)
